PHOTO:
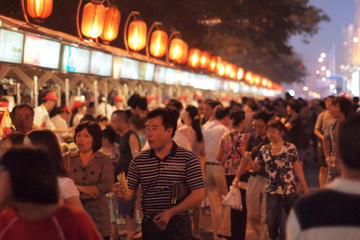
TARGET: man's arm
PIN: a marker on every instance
(319, 134)
(134, 145)
(193, 199)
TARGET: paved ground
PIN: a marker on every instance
(311, 174)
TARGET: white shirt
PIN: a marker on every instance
(77, 119)
(67, 188)
(60, 123)
(42, 119)
(212, 132)
(100, 110)
(182, 140)
(294, 231)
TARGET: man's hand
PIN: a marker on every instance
(92, 191)
(162, 219)
(119, 189)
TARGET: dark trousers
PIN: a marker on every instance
(277, 209)
(178, 228)
(238, 218)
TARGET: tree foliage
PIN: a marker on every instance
(250, 33)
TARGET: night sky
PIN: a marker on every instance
(341, 13)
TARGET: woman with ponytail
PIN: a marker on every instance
(192, 130)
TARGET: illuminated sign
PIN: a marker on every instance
(11, 46)
(75, 59)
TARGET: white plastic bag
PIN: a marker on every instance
(233, 199)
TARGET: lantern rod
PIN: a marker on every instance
(77, 20)
(24, 11)
(153, 26)
(132, 14)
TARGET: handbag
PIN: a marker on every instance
(233, 199)
(180, 190)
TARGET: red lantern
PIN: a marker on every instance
(93, 18)
(137, 35)
(257, 80)
(178, 51)
(204, 59)
(264, 82)
(39, 9)
(194, 58)
(212, 64)
(158, 43)
(220, 68)
(240, 73)
(111, 25)
(249, 78)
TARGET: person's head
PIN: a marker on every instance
(118, 101)
(222, 114)
(49, 100)
(250, 105)
(328, 101)
(191, 117)
(259, 122)
(47, 140)
(137, 122)
(79, 107)
(208, 108)
(22, 117)
(294, 106)
(341, 108)
(109, 137)
(349, 143)
(160, 127)
(65, 112)
(275, 131)
(120, 121)
(138, 104)
(237, 116)
(176, 104)
(87, 117)
(11, 140)
(88, 136)
(102, 121)
(27, 175)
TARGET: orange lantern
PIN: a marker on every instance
(257, 80)
(232, 73)
(39, 9)
(240, 73)
(178, 50)
(194, 57)
(111, 25)
(264, 82)
(220, 68)
(204, 59)
(93, 18)
(249, 78)
(137, 35)
(212, 64)
(158, 43)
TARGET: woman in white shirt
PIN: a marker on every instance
(46, 139)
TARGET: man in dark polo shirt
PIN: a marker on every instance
(333, 212)
(156, 170)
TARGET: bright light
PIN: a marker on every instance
(323, 79)
(355, 40)
(323, 68)
(317, 72)
(320, 59)
(332, 86)
(327, 73)
(291, 92)
(306, 88)
(323, 55)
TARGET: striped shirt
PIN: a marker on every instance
(157, 175)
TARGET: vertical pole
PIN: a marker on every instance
(67, 92)
(106, 97)
(96, 94)
(36, 91)
(18, 94)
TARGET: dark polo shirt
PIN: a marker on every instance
(157, 175)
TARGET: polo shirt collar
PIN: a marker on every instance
(171, 153)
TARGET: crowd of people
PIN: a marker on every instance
(71, 172)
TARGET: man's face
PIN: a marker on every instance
(116, 123)
(335, 111)
(156, 133)
(52, 104)
(259, 126)
(208, 111)
(23, 120)
(328, 103)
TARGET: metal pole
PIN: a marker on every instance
(67, 92)
(36, 91)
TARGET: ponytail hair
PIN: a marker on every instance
(194, 115)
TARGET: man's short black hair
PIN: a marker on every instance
(168, 118)
(346, 106)
(136, 100)
(175, 103)
(252, 104)
(264, 116)
(212, 103)
(349, 142)
(221, 112)
(295, 105)
(32, 174)
(24, 105)
(110, 134)
(123, 114)
(95, 132)
(237, 115)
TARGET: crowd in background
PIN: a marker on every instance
(258, 146)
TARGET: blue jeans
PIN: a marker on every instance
(178, 228)
(277, 209)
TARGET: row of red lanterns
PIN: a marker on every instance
(103, 22)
